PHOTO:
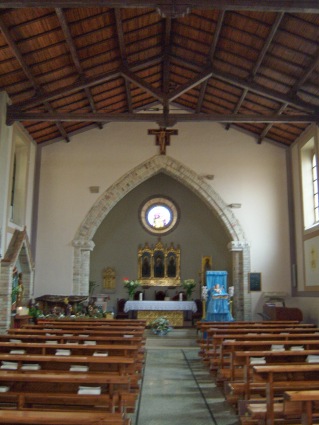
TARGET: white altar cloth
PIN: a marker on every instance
(160, 305)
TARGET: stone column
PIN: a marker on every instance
(240, 269)
(5, 296)
(81, 266)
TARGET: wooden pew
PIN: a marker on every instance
(115, 388)
(53, 331)
(278, 379)
(202, 326)
(119, 364)
(77, 349)
(239, 387)
(308, 401)
(16, 417)
(78, 321)
(41, 388)
(87, 354)
(207, 345)
(63, 339)
(230, 347)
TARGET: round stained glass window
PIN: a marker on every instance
(159, 215)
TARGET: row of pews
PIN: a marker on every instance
(268, 371)
(70, 371)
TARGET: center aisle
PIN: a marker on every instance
(178, 390)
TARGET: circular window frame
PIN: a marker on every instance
(155, 201)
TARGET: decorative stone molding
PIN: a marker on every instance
(237, 245)
(84, 244)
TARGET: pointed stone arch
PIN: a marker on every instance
(83, 243)
(18, 253)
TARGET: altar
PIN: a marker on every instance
(150, 310)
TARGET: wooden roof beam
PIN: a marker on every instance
(260, 59)
(122, 49)
(166, 55)
(89, 82)
(75, 57)
(133, 78)
(205, 75)
(13, 46)
(252, 86)
(211, 55)
(14, 114)
(180, 6)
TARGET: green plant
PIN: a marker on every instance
(131, 286)
(160, 324)
(189, 286)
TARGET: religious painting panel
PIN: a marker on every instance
(159, 265)
(207, 265)
(109, 281)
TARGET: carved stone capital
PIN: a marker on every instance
(84, 244)
(237, 245)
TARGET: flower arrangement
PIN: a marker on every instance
(160, 325)
(131, 286)
(189, 285)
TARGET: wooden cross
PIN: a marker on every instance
(163, 137)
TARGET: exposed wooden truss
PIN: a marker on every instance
(241, 63)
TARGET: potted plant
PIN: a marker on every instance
(131, 286)
(160, 326)
(189, 286)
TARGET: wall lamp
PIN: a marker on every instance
(234, 205)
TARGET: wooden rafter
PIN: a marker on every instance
(304, 6)
(68, 36)
(14, 48)
(260, 59)
(252, 86)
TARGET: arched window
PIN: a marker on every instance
(315, 188)
(159, 215)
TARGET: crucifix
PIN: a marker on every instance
(163, 137)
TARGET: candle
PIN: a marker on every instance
(180, 296)
(141, 296)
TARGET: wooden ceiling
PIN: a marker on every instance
(253, 65)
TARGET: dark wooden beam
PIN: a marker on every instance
(89, 82)
(133, 78)
(166, 57)
(205, 75)
(16, 52)
(74, 54)
(251, 86)
(261, 57)
(295, 6)
(211, 55)
(122, 49)
(17, 115)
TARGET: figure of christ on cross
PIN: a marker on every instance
(163, 137)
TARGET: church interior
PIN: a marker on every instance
(160, 158)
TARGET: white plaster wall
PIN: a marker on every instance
(245, 172)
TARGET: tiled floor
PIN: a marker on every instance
(177, 389)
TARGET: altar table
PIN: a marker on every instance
(150, 310)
